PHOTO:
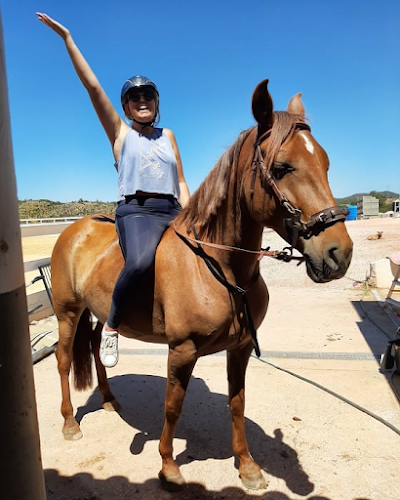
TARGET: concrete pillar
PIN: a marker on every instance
(21, 469)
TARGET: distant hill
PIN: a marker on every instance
(385, 199)
(43, 209)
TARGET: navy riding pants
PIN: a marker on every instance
(140, 222)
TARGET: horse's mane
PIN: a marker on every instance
(203, 205)
(222, 182)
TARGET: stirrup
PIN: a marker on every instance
(109, 348)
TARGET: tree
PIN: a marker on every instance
(383, 206)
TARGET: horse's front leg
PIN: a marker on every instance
(181, 361)
(250, 472)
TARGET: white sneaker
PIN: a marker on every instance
(109, 348)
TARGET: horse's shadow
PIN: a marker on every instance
(205, 424)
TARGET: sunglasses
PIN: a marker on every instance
(148, 95)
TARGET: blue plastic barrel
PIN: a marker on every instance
(352, 212)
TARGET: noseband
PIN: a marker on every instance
(295, 226)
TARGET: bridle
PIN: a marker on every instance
(295, 226)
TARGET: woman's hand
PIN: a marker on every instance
(54, 25)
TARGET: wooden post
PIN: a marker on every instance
(21, 466)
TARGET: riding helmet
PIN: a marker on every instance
(135, 82)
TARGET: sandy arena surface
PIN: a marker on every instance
(310, 444)
(38, 247)
(365, 252)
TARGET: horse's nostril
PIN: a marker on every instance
(326, 269)
(334, 257)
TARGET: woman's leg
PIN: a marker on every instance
(140, 226)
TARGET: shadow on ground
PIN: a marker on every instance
(205, 425)
(85, 487)
(377, 329)
(374, 325)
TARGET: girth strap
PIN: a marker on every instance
(234, 289)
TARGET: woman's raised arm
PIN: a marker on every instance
(106, 112)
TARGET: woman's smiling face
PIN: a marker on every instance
(141, 105)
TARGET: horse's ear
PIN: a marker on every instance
(296, 106)
(262, 105)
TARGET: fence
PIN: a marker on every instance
(40, 227)
(39, 305)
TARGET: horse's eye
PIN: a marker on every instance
(279, 170)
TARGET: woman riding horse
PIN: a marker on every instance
(150, 179)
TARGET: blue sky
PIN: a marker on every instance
(206, 58)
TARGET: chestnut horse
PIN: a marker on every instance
(205, 293)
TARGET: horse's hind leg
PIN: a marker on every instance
(109, 401)
(181, 361)
(250, 472)
(67, 324)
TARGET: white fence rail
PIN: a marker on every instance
(40, 227)
(48, 220)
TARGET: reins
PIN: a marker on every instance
(234, 289)
(286, 254)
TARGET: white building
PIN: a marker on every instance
(367, 206)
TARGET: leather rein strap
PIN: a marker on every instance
(234, 289)
(286, 254)
(296, 227)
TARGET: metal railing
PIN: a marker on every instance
(39, 301)
(48, 220)
(43, 226)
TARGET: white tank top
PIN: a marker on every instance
(148, 164)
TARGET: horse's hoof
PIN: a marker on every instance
(72, 433)
(254, 481)
(111, 405)
(171, 483)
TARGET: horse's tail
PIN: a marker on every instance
(82, 353)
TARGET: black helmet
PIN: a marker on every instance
(135, 82)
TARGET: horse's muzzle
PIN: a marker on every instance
(331, 264)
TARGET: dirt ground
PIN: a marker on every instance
(38, 247)
(365, 252)
(310, 444)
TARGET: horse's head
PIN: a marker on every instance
(287, 187)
